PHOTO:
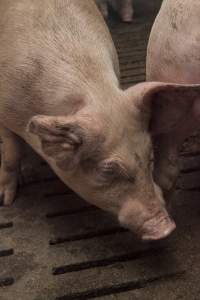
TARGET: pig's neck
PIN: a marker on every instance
(94, 92)
(103, 96)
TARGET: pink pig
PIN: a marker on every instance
(60, 93)
(174, 56)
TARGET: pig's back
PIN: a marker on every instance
(174, 45)
(42, 21)
(48, 48)
(64, 28)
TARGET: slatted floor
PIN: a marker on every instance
(53, 245)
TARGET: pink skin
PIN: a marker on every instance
(153, 228)
(65, 101)
(173, 56)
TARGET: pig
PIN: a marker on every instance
(173, 55)
(60, 93)
(124, 8)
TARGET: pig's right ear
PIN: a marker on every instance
(165, 105)
(60, 137)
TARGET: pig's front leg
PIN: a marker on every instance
(10, 163)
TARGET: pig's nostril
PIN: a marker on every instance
(160, 231)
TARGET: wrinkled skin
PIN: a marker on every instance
(60, 93)
(124, 8)
(174, 56)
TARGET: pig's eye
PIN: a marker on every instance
(112, 171)
(107, 171)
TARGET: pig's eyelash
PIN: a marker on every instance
(115, 170)
(107, 170)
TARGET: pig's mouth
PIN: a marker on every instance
(157, 228)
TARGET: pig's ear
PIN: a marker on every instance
(60, 138)
(169, 104)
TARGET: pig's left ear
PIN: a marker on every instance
(60, 137)
(169, 104)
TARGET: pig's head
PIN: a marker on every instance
(106, 156)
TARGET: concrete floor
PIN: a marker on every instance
(53, 245)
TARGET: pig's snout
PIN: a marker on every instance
(157, 228)
(146, 224)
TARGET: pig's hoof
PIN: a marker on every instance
(127, 18)
(8, 192)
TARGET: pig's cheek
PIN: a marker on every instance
(130, 216)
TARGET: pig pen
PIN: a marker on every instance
(53, 245)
